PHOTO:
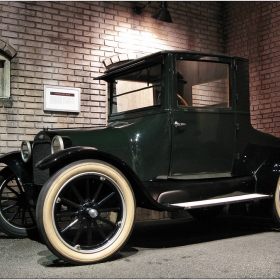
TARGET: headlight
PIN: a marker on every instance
(60, 143)
(57, 144)
(25, 151)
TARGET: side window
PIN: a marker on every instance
(135, 90)
(5, 72)
(202, 84)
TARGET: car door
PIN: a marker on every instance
(203, 133)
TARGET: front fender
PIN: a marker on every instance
(64, 157)
(22, 170)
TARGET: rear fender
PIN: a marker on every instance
(64, 157)
(268, 174)
(22, 170)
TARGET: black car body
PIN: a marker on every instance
(178, 138)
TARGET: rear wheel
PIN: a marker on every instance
(276, 203)
(86, 212)
(17, 214)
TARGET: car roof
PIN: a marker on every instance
(128, 63)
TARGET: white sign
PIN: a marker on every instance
(63, 99)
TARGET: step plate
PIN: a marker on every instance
(220, 201)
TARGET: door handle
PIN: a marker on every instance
(177, 124)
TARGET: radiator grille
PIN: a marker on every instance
(40, 151)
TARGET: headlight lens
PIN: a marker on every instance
(57, 144)
(25, 151)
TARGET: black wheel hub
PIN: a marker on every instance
(89, 211)
(92, 213)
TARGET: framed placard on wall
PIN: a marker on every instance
(63, 99)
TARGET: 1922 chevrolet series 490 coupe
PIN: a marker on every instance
(178, 138)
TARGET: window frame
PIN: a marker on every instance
(5, 78)
(214, 59)
(110, 88)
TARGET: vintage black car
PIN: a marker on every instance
(179, 138)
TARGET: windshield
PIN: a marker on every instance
(202, 84)
(135, 90)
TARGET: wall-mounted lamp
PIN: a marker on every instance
(162, 14)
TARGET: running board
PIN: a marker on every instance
(221, 201)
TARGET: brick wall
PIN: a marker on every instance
(211, 94)
(252, 31)
(65, 43)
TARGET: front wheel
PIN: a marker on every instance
(85, 212)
